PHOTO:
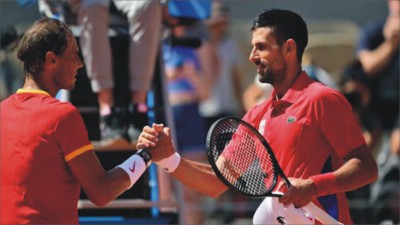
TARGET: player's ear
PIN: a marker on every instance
(290, 47)
(50, 57)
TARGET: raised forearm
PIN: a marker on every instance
(377, 59)
(109, 187)
(103, 186)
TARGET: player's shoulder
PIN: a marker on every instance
(317, 92)
(62, 109)
(6, 100)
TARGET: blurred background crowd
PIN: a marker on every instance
(353, 47)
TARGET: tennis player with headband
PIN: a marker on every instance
(45, 153)
(310, 127)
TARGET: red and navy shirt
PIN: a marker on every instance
(310, 130)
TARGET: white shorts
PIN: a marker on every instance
(271, 211)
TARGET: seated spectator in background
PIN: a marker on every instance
(144, 18)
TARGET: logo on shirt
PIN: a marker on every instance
(281, 220)
(291, 119)
(133, 167)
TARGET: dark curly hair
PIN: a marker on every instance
(45, 35)
(285, 25)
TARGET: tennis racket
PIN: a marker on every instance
(244, 161)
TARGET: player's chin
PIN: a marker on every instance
(264, 78)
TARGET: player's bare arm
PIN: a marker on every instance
(359, 169)
(100, 186)
(195, 175)
(103, 186)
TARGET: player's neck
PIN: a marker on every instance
(291, 78)
(32, 84)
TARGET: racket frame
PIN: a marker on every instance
(277, 168)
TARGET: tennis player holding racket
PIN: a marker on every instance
(310, 127)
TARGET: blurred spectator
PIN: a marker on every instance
(11, 69)
(385, 193)
(378, 52)
(355, 87)
(189, 60)
(317, 73)
(186, 87)
(224, 95)
(144, 18)
(226, 86)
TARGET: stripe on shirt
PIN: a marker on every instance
(19, 91)
(79, 151)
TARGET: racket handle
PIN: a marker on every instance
(321, 215)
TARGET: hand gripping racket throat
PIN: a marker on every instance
(244, 161)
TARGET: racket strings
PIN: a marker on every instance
(260, 173)
(248, 166)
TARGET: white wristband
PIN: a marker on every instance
(170, 163)
(134, 166)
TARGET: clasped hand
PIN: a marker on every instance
(157, 140)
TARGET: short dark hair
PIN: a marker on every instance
(43, 36)
(285, 25)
